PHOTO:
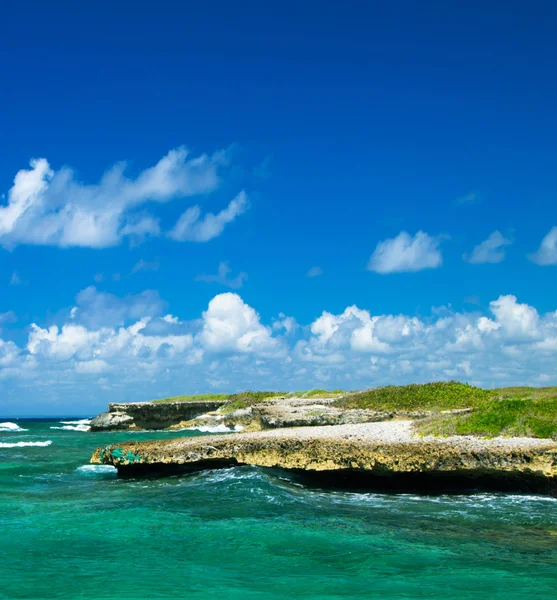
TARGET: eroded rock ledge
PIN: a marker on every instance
(377, 450)
(150, 415)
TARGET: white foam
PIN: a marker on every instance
(222, 428)
(73, 427)
(10, 427)
(25, 444)
(87, 469)
(79, 422)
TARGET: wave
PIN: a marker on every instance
(8, 427)
(25, 444)
(73, 427)
(78, 422)
(222, 428)
(96, 469)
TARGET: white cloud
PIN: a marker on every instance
(191, 227)
(229, 324)
(145, 265)
(511, 344)
(222, 277)
(314, 272)
(47, 207)
(94, 309)
(547, 252)
(289, 324)
(92, 367)
(490, 250)
(406, 253)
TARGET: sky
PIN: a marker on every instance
(216, 196)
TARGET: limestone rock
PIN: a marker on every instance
(385, 449)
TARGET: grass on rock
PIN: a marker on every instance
(516, 411)
(194, 398)
(428, 396)
(502, 415)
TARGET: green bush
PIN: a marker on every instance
(506, 416)
(193, 398)
(247, 399)
(427, 396)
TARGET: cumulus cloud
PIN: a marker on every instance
(48, 207)
(94, 308)
(230, 346)
(406, 253)
(490, 250)
(192, 227)
(547, 252)
(229, 324)
(222, 277)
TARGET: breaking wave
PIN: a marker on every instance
(222, 428)
(73, 427)
(97, 470)
(24, 444)
(9, 427)
(79, 425)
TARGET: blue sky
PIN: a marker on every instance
(213, 186)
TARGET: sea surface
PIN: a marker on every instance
(73, 530)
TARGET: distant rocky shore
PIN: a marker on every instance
(150, 415)
(316, 437)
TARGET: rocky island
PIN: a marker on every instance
(433, 436)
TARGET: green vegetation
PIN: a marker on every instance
(531, 415)
(428, 396)
(247, 399)
(194, 398)
(318, 394)
(516, 411)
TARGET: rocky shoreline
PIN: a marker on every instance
(321, 437)
(382, 453)
(150, 415)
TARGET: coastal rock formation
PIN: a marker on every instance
(275, 415)
(151, 415)
(388, 450)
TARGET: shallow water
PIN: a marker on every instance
(71, 530)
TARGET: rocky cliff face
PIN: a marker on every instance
(377, 450)
(150, 415)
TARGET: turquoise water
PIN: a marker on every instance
(69, 530)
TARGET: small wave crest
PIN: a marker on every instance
(25, 444)
(8, 427)
(222, 428)
(97, 470)
(77, 425)
(73, 427)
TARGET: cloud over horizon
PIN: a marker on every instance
(108, 342)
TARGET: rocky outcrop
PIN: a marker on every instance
(150, 415)
(381, 451)
(314, 415)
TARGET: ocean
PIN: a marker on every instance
(73, 530)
